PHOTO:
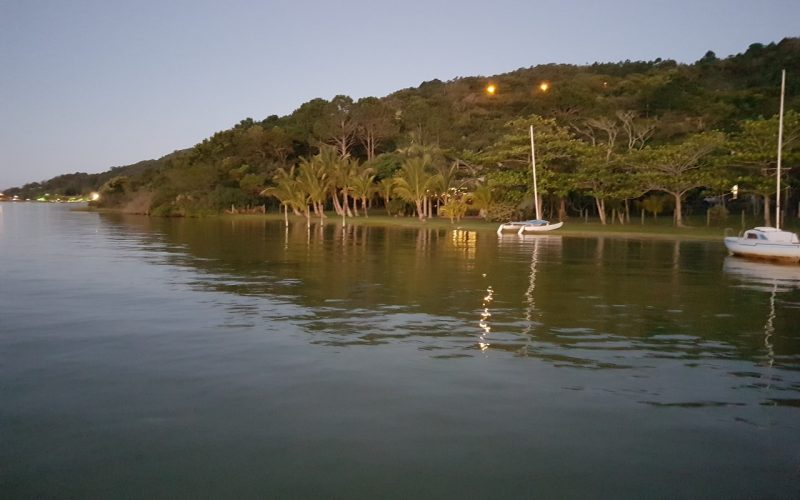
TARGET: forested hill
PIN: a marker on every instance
(606, 129)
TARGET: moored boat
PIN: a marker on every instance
(767, 243)
(536, 225)
(528, 226)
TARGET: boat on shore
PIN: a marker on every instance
(769, 243)
(536, 225)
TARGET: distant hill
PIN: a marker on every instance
(462, 122)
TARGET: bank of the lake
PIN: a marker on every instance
(695, 228)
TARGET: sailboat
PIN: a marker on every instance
(770, 243)
(536, 225)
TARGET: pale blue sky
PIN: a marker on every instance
(90, 84)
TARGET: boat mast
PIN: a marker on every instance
(780, 144)
(533, 169)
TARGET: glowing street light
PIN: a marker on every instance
(544, 86)
(491, 89)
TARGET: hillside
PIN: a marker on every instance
(606, 130)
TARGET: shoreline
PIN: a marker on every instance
(578, 228)
(661, 229)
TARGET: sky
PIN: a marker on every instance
(86, 85)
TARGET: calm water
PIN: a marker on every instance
(148, 358)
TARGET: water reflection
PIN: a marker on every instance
(589, 303)
(769, 278)
(363, 342)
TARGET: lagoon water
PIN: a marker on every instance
(169, 358)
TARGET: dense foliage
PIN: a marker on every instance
(610, 138)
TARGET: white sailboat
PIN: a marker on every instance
(536, 225)
(770, 243)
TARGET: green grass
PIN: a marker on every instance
(652, 228)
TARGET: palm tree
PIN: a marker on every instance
(386, 190)
(314, 181)
(340, 172)
(413, 182)
(483, 199)
(363, 188)
(289, 192)
(446, 181)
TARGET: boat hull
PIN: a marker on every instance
(764, 250)
(522, 228)
(539, 229)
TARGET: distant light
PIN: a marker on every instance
(544, 86)
(94, 196)
(491, 89)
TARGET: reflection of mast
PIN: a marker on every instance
(483, 342)
(529, 296)
(769, 327)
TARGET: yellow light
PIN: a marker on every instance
(491, 89)
(544, 86)
(94, 196)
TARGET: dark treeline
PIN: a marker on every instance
(611, 138)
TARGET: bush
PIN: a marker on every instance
(501, 212)
(717, 215)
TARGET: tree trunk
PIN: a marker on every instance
(601, 210)
(346, 204)
(337, 207)
(370, 144)
(678, 210)
(767, 211)
(420, 209)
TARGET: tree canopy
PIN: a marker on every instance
(606, 134)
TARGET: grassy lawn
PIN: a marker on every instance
(652, 228)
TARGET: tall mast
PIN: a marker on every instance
(780, 144)
(533, 168)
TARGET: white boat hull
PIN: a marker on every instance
(758, 249)
(522, 228)
(540, 229)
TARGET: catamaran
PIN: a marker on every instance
(536, 225)
(764, 242)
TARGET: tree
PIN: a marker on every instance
(336, 125)
(557, 154)
(386, 191)
(363, 189)
(676, 169)
(603, 171)
(374, 122)
(413, 182)
(289, 193)
(313, 180)
(482, 198)
(754, 150)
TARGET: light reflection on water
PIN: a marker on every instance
(550, 357)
